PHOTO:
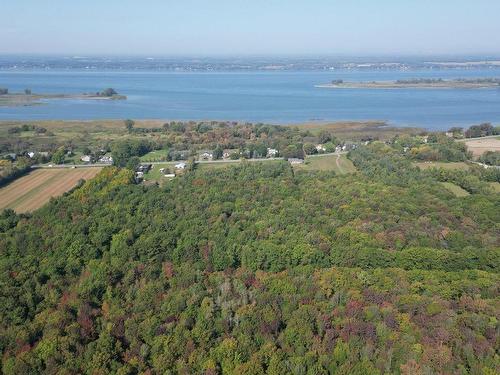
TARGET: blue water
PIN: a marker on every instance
(273, 97)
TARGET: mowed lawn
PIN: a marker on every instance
(455, 189)
(337, 163)
(35, 189)
(495, 186)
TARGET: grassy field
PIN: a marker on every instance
(358, 130)
(155, 175)
(451, 166)
(455, 189)
(35, 189)
(495, 186)
(338, 164)
(157, 155)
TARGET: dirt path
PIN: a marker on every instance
(337, 161)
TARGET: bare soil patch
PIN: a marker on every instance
(32, 191)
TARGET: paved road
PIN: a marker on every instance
(477, 138)
(55, 166)
(100, 165)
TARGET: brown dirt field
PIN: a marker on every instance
(35, 189)
(480, 146)
(23, 185)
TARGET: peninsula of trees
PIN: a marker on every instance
(28, 98)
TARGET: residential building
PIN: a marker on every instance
(272, 152)
(181, 165)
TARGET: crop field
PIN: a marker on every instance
(35, 189)
(338, 164)
(480, 146)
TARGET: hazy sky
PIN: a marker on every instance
(236, 27)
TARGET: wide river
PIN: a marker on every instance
(273, 97)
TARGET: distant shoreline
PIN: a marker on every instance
(416, 84)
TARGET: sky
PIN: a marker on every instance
(250, 27)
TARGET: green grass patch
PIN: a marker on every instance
(155, 175)
(455, 189)
(156, 155)
(338, 164)
(495, 186)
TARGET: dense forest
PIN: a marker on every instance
(256, 269)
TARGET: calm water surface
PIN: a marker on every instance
(274, 97)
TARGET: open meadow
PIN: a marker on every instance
(455, 189)
(35, 189)
(337, 163)
(358, 130)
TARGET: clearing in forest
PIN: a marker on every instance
(337, 163)
(455, 189)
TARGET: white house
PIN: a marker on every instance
(180, 165)
(31, 154)
(106, 159)
(296, 161)
(86, 158)
(320, 148)
(206, 156)
(169, 175)
(272, 152)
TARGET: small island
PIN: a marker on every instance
(419, 83)
(27, 98)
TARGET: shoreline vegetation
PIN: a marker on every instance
(419, 83)
(27, 98)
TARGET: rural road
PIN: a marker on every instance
(100, 165)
